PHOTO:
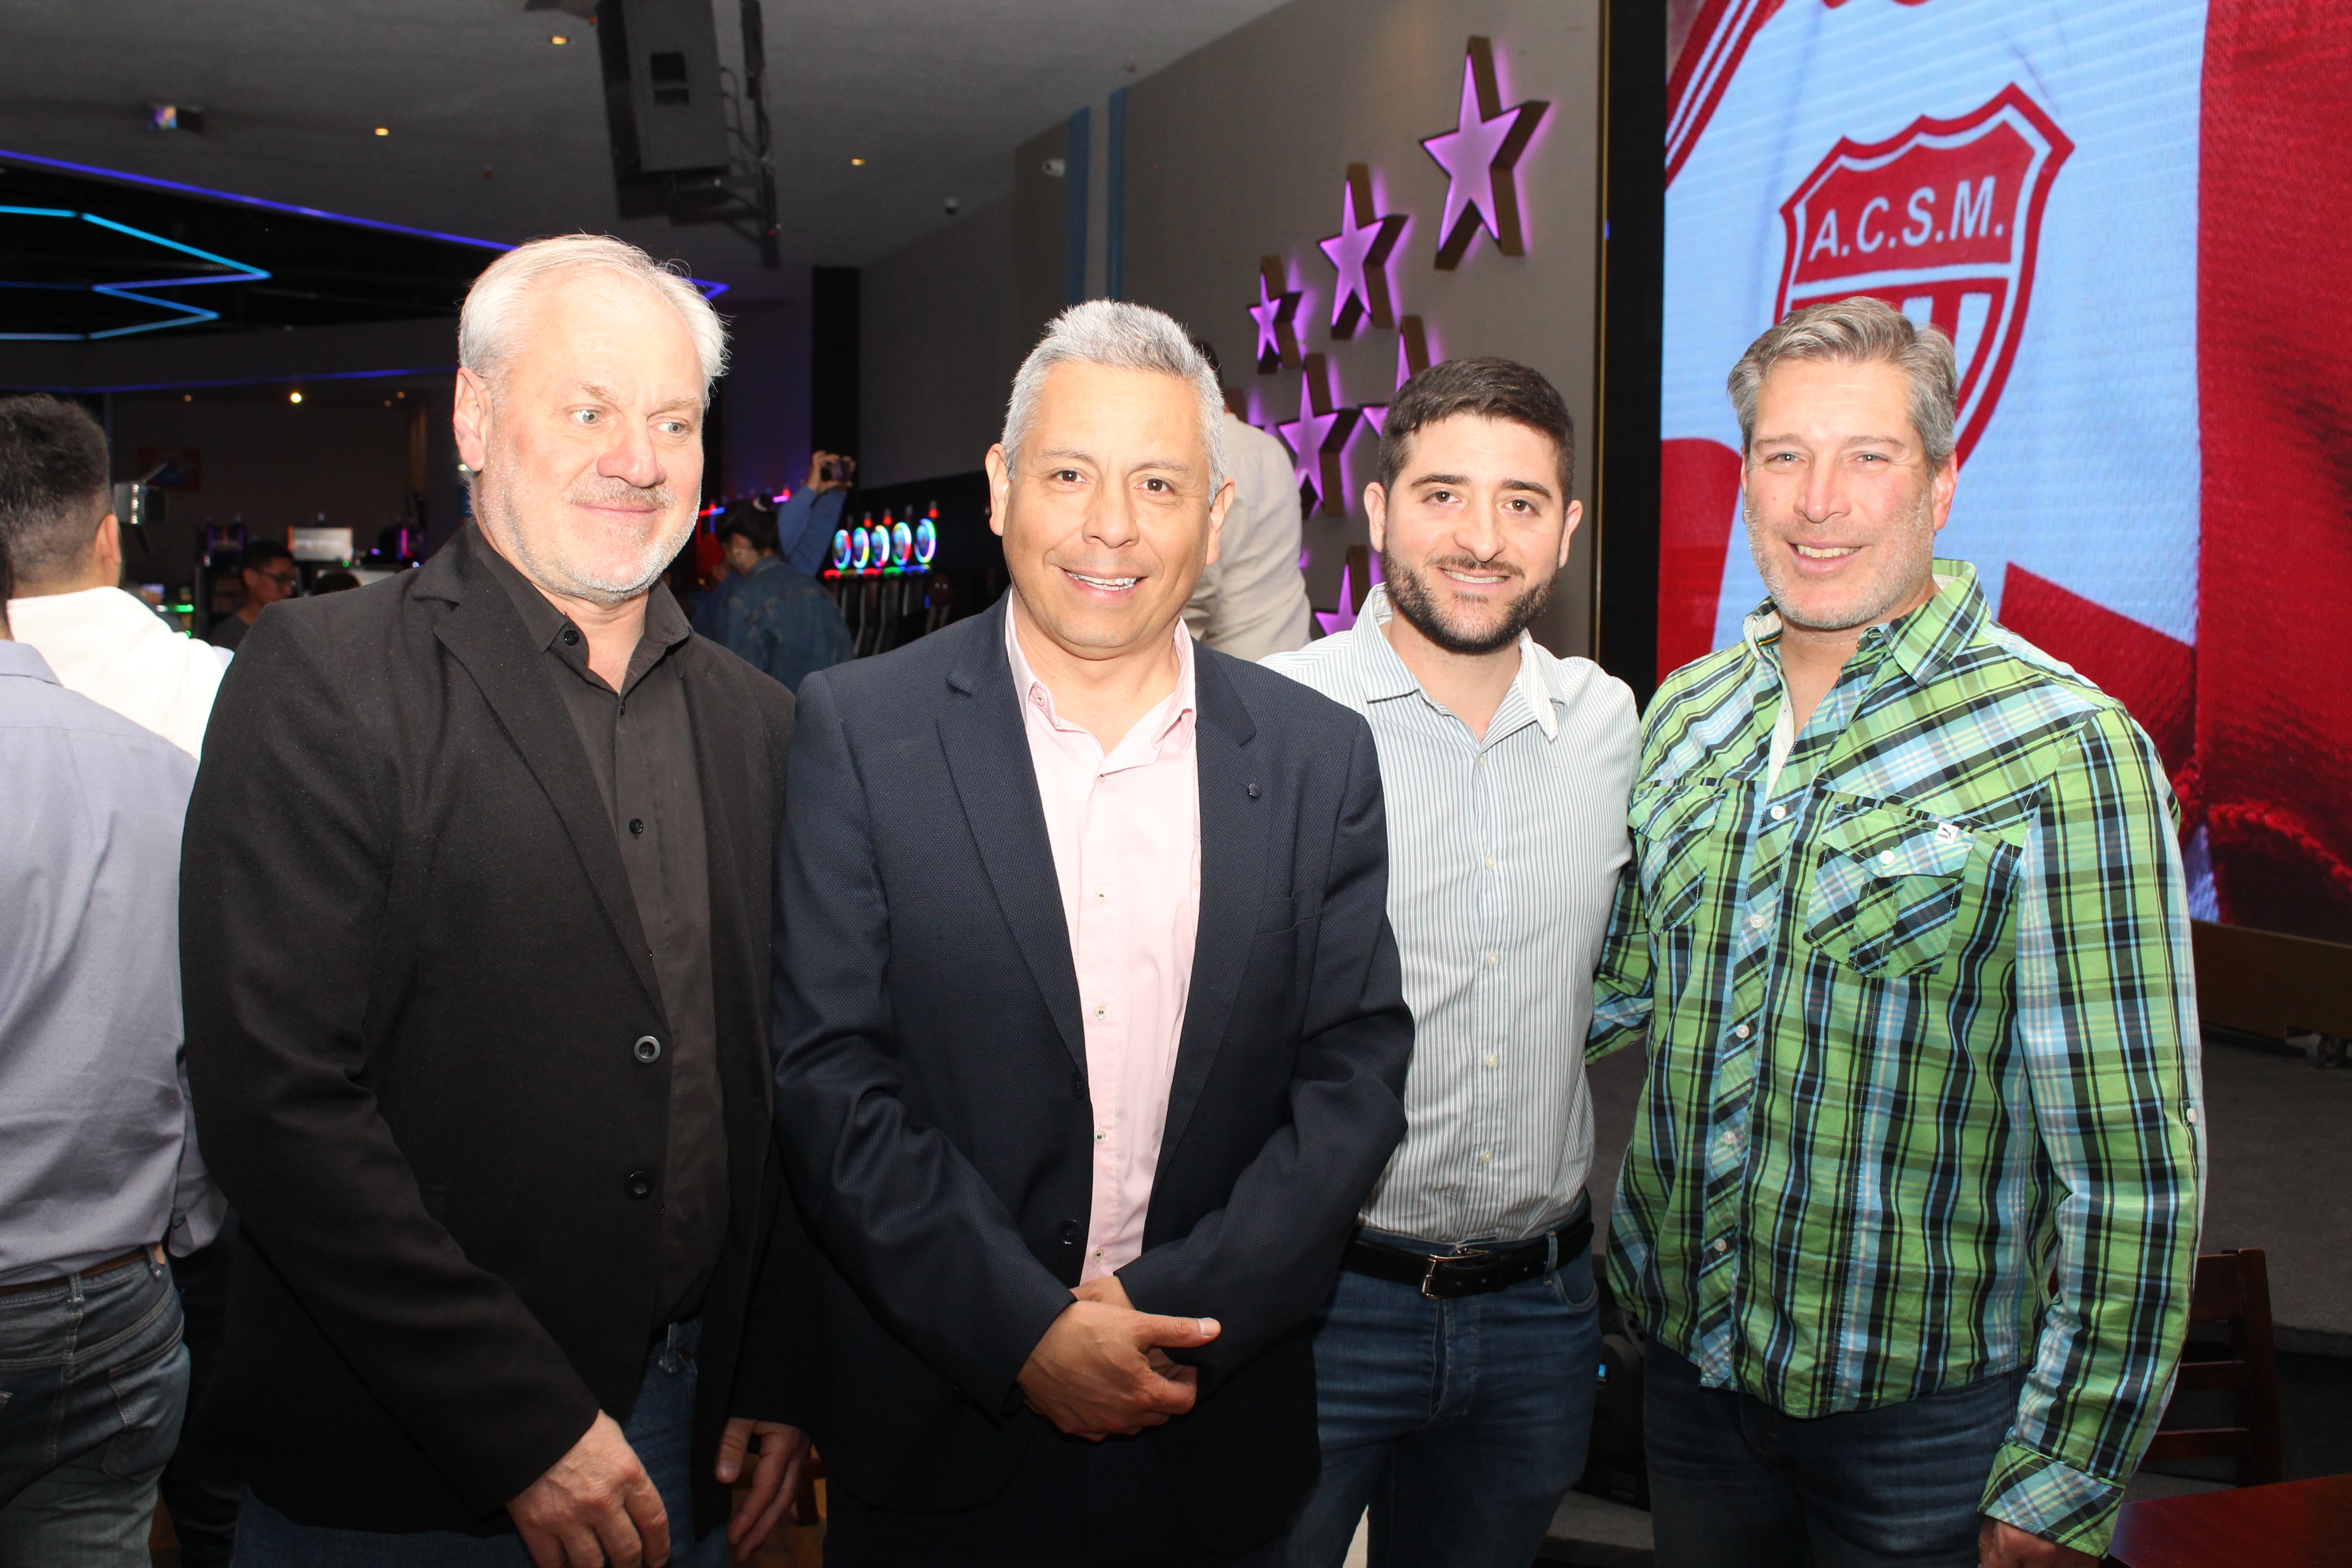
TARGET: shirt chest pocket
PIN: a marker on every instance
(1888, 885)
(1673, 825)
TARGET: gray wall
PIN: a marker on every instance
(764, 399)
(1240, 148)
(937, 343)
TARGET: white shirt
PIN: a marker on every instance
(1251, 600)
(1502, 862)
(114, 650)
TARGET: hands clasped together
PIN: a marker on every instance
(1103, 1369)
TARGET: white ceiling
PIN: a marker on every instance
(497, 133)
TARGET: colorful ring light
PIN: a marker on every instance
(841, 550)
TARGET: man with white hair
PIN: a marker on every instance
(1089, 1032)
(475, 913)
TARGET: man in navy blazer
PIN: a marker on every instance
(1089, 1035)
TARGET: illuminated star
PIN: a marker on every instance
(1478, 156)
(1316, 438)
(1413, 358)
(1360, 251)
(1277, 303)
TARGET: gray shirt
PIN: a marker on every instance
(97, 1149)
(640, 746)
(1503, 862)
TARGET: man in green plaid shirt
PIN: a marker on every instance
(1910, 1213)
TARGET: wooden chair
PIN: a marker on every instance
(2233, 1288)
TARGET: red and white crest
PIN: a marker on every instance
(1941, 221)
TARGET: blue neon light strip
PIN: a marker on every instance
(184, 314)
(250, 380)
(710, 290)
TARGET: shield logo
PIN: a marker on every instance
(1941, 221)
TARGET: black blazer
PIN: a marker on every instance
(413, 977)
(930, 1073)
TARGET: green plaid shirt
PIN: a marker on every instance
(1924, 1101)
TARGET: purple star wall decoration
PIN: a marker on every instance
(1316, 439)
(1275, 313)
(1479, 155)
(1360, 253)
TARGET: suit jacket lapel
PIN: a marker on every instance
(486, 638)
(1235, 817)
(988, 757)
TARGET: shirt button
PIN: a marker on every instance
(647, 1049)
(1886, 857)
(1492, 959)
(1758, 922)
(640, 1184)
(1779, 812)
(2190, 1114)
(1100, 1010)
(1740, 1032)
(572, 636)
(1490, 1058)
(1070, 1233)
(1490, 862)
(636, 827)
(1721, 1244)
(1100, 1135)
(1101, 893)
(1485, 1156)
(1099, 1252)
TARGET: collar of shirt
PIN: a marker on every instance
(25, 659)
(666, 624)
(1386, 674)
(1921, 644)
(1143, 742)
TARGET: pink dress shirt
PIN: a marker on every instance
(1126, 834)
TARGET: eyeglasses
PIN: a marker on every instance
(283, 579)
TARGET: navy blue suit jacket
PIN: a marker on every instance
(930, 1073)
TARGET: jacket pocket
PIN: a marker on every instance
(1886, 889)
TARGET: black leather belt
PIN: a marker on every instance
(1471, 1267)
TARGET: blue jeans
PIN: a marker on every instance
(660, 1428)
(1736, 1484)
(93, 1382)
(1461, 1424)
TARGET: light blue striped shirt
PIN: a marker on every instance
(1502, 862)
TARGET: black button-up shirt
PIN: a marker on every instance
(640, 746)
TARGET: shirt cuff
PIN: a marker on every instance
(2050, 1498)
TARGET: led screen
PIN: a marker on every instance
(2134, 221)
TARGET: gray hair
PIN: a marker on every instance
(1858, 330)
(500, 298)
(1120, 336)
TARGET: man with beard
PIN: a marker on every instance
(1455, 1362)
(475, 916)
(1911, 1211)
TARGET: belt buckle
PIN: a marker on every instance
(1463, 1252)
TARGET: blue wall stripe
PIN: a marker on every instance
(1074, 208)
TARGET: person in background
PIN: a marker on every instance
(268, 570)
(1455, 1365)
(102, 1171)
(805, 524)
(1251, 600)
(477, 911)
(62, 534)
(779, 620)
(1910, 1213)
(1088, 1030)
(333, 583)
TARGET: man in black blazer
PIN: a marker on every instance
(1088, 1030)
(475, 922)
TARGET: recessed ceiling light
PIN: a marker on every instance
(858, 162)
(559, 38)
(293, 397)
(383, 130)
(187, 398)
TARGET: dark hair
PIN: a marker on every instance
(1490, 388)
(260, 553)
(53, 484)
(757, 526)
(333, 583)
(1201, 345)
